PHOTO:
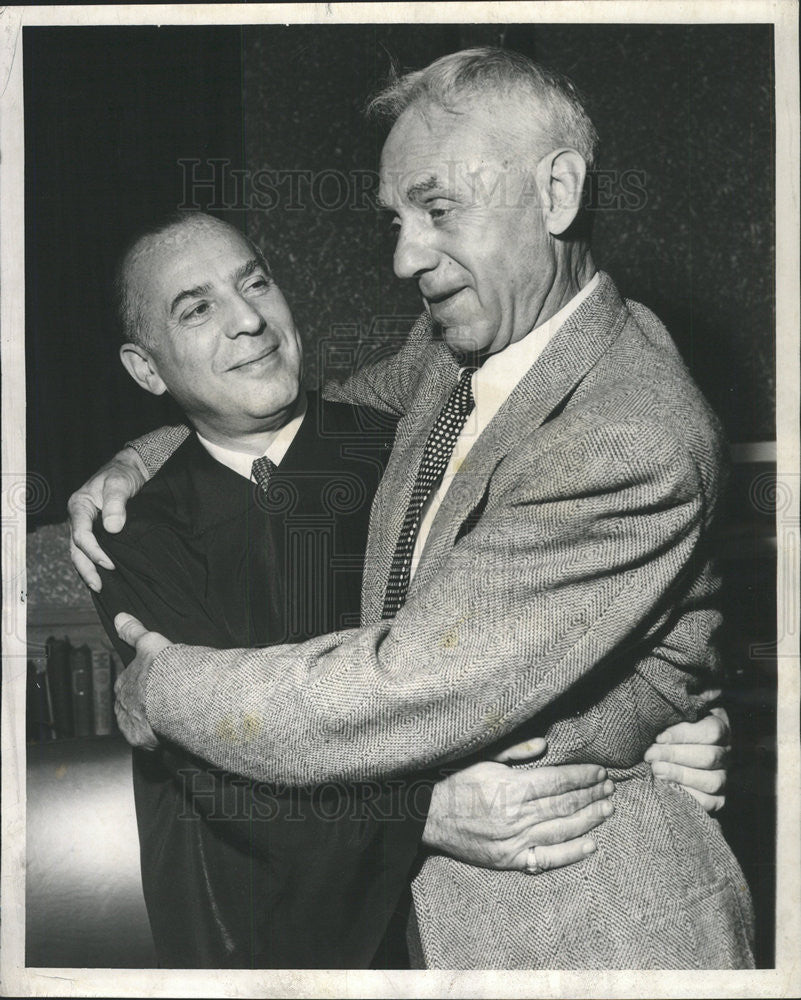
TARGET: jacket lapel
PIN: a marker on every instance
(575, 348)
(395, 490)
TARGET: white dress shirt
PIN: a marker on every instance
(493, 384)
(242, 461)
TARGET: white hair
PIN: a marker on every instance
(553, 111)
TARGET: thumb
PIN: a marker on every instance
(114, 510)
(528, 750)
(129, 629)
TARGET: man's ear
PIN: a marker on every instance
(560, 178)
(140, 366)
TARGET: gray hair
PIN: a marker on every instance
(556, 109)
(129, 305)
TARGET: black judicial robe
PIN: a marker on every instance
(238, 874)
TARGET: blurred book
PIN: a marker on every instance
(101, 692)
(38, 707)
(80, 660)
(59, 679)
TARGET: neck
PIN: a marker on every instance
(252, 441)
(574, 268)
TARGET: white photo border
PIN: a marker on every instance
(785, 979)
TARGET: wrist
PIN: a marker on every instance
(432, 832)
(133, 459)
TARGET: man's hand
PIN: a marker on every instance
(108, 490)
(526, 820)
(695, 754)
(131, 684)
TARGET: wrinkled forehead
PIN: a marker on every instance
(431, 147)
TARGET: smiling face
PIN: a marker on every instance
(221, 338)
(470, 224)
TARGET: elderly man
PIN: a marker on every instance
(236, 874)
(539, 553)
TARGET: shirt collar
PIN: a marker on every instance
(495, 380)
(242, 462)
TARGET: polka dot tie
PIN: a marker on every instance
(436, 455)
(261, 470)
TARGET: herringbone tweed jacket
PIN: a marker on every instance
(566, 588)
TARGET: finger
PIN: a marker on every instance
(116, 493)
(527, 750)
(722, 715)
(711, 729)
(82, 515)
(690, 755)
(129, 629)
(711, 803)
(85, 568)
(547, 781)
(558, 855)
(557, 806)
(711, 782)
(559, 831)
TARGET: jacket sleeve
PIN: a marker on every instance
(155, 447)
(390, 384)
(579, 555)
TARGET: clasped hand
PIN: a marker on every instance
(501, 817)
(131, 686)
(487, 814)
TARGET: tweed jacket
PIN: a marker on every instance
(566, 588)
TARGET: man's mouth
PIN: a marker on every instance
(253, 361)
(434, 299)
(442, 304)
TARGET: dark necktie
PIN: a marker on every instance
(261, 470)
(436, 455)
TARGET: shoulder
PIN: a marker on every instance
(635, 416)
(586, 449)
(643, 380)
(161, 508)
(667, 393)
(363, 423)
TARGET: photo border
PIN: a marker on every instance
(785, 979)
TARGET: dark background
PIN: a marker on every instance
(110, 113)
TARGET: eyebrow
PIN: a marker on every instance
(423, 186)
(243, 271)
(249, 267)
(188, 293)
(414, 191)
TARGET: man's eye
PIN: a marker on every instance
(438, 212)
(197, 312)
(259, 284)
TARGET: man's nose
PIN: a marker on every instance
(244, 318)
(413, 253)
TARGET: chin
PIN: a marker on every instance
(276, 403)
(466, 339)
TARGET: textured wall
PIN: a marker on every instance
(687, 107)
(111, 112)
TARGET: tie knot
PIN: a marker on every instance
(462, 396)
(261, 470)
